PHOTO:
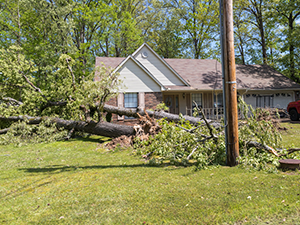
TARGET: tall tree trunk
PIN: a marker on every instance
(291, 47)
(262, 38)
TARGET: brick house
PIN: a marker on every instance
(151, 79)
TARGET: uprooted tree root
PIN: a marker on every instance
(145, 128)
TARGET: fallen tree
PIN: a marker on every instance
(104, 128)
(183, 141)
(101, 128)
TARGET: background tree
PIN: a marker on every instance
(163, 31)
(242, 33)
(286, 13)
(256, 10)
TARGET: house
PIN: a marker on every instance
(151, 79)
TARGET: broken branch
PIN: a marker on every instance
(263, 147)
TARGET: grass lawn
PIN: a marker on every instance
(78, 182)
(291, 137)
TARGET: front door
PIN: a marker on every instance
(172, 101)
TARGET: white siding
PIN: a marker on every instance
(250, 100)
(137, 80)
(279, 101)
(157, 68)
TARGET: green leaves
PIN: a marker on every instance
(176, 146)
(184, 144)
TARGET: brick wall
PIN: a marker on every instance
(152, 99)
(113, 102)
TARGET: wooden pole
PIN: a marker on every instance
(229, 82)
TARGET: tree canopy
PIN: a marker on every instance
(48, 48)
(265, 31)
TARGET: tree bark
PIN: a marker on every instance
(102, 128)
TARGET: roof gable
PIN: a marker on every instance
(136, 78)
(157, 66)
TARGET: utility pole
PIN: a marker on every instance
(229, 82)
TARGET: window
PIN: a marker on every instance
(218, 100)
(130, 101)
(197, 97)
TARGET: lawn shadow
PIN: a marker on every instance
(25, 188)
(64, 168)
(288, 120)
(99, 139)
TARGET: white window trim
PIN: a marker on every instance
(121, 104)
(141, 101)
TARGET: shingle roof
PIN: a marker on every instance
(262, 77)
(108, 62)
(199, 73)
(205, 74)
(112, 62)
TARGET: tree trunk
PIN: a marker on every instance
(291, 48)
(102, 128)
(263, 39)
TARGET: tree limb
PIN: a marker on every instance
(289, 151)
(31, 84)
(12, 100)
(4, 131)
(189, 156)
(156, 114)
(263, 147)
(206, 121)
(50, 103)
(72, 74)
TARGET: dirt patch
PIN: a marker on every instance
(119, 142)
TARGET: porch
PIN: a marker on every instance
(212, 101)
(185, 102)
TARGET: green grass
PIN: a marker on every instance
(78, 182)
(291, 137)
